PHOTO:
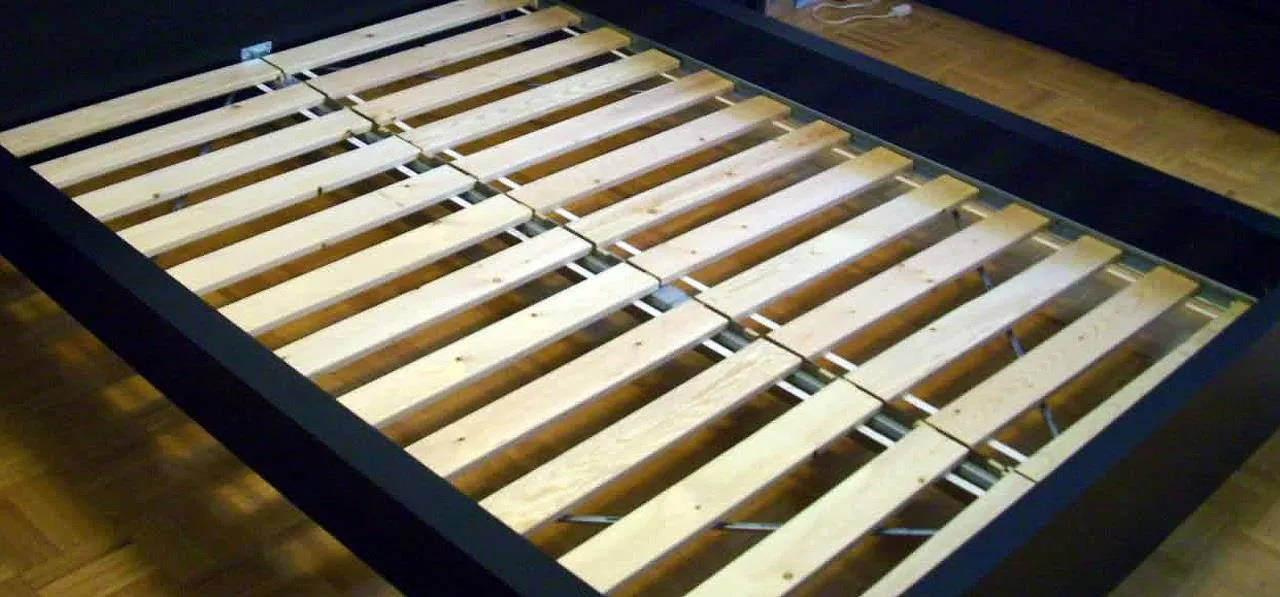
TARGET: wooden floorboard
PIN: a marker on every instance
(108, 489)
(105, 489)
(1198, 144)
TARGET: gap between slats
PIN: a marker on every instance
(389, 259)
(422, 381)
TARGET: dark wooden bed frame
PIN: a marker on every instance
(1079, 530)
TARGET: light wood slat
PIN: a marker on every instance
(431, 377)
(385, 34)
(853, 311)
(995, 401)
(711, 241)
(370, 330)
(1048, 458)
(951, 536)
(908, 362)
(542, 402)
(666, 201)
(819, 533)
(616, 167)
(522, 107)
(268, 196)
(387, 260)
(408, 63)
(493, 75)
(786, 272)
(558, 485)
(576, 132)
(667, 521)
(188, 132)
(196, 173)
(304, 236)
(56, 130)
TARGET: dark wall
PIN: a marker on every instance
(1221, 53)
(59, 54)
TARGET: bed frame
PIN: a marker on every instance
(610, 305)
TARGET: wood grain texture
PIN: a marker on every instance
(377, 264)
(894, 371)
(107, 489)
(782, 274)
(427, 379)
(528, 105)
(415, 61)
(385, 34)
(1203, 146)
(714, 240)
(820, 532)
(196, 173)
(860, 307)
(556, 486)
(1049, 457)
(274, 194)
(550, 192)
(188, 132)
(82, 122)
(369, 330)
(698, 501)
(975, 517)
(981, 411)
(1229, 545)
(650, 208)
(316, 231)
(489, 76)
(568, 135)
(521, 413)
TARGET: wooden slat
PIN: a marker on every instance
(666, 201)
(711, 241)
(429, 378)
(387, 260)
(408, 63)
(196, 173)
(268, 196)
(616, 167)
(786, 272)
(369, 330)
(112, 113)
(389, 33)
(493, 75)
(906, 363)
(558, 485)
(188, 132)
(542, 402)
(1048, 458)
(853, 311)
(531, 104)
(676, 515)
(995, 401)
(819, 533)
(304, 236)
(950, 537)
(568, 135)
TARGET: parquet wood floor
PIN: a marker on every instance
(1209, 148)
(107, 489)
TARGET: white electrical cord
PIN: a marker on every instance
(895, 12)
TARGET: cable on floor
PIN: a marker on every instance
(895, 12)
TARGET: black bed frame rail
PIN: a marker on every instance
(1078, 532)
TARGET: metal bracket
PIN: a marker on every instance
(255, 51)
